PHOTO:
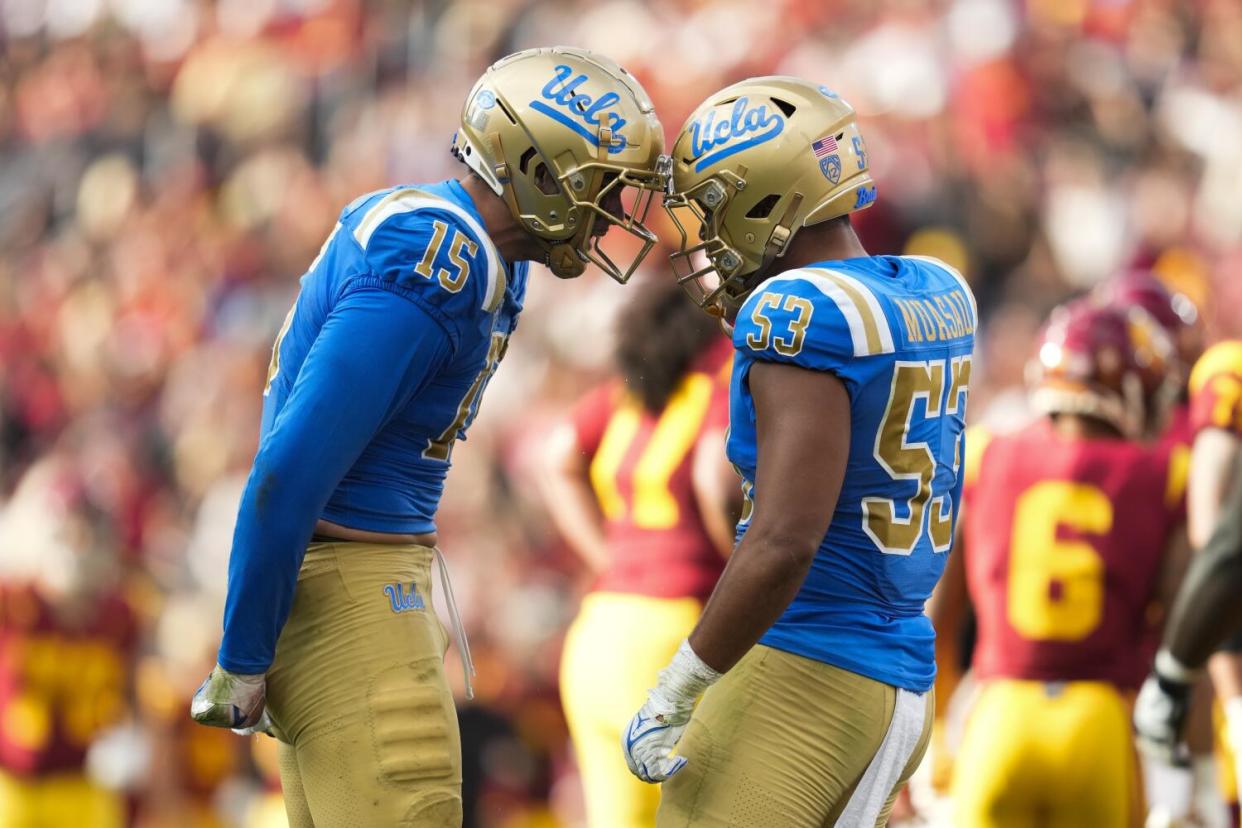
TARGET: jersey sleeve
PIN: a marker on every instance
(590, 417)
(1216, 389)
(374, 352)
(789, 319)
(433, 253)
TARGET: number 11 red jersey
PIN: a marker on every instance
(640, 467)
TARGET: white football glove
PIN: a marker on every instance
(1161, 709)
(231, 700)
(649, 741)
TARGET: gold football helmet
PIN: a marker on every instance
(572, 144)
(755, 163)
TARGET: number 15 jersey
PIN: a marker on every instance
(898, 331)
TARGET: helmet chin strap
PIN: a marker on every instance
(564, 261)
(782, 233)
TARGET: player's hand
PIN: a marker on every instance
(1160, 713)
(652, 736)
(231, 700)
(649, 741)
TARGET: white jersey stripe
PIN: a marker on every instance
(407, 201)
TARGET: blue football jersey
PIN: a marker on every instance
(426, 246)
(378, 370)
(898, 331)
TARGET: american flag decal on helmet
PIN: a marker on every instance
(824, 146)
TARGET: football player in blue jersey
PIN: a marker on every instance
(377, 371)
(849, 388)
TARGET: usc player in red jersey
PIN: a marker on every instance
(638, 483)
(1068, 535)
(1204, 486)
(67, 642)
(1216, 426)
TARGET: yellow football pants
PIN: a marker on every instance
(1226, 757)
(784, 741)
(1038, 755)
(613, 652)
(358, 696)
(58, 801)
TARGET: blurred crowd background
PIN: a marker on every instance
(168, 169)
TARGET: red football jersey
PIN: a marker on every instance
(61, 681)
(1064, 540)
(1175, 442)
(641, 471)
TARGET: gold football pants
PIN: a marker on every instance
(358, 696)
(1036, 754)
(784, 741)
(614, 651)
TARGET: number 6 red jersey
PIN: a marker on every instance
(1064, 539)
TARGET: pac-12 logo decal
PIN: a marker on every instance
(830, 166)
(713, 139)
(402, 601)
(825, 150)
(580, 112)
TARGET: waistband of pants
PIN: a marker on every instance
(323, 551)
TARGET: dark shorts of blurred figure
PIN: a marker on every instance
(358, 695)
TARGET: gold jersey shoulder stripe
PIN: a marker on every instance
(409, 200)
(869, 328)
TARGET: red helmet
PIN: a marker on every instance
(1175, 311)
(1105, 361)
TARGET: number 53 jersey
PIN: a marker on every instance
(898, 331)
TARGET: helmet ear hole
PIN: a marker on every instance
(785, 106)
(524, 161)
(545, 182)
(764, 207)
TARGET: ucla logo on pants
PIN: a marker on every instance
(580, 112)
(402, 601)
(712, 140)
